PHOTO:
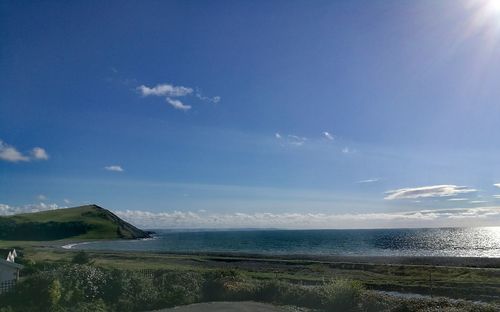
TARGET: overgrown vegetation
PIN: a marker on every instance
(83, 287)
(81, 257)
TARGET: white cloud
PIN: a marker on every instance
(496, 184)
(328, 135)
(369, 180)
(214, 99)
(427, 191)
(11, 154)
(496, 196)
(296, 140)
(165, 90)
(290, 139)
(171, 93)
(177, 104)
(41, 197)
(458, 199)
(115, 168)
(39, 153)
(7, 210)
(67, 201)
(202, 219)
(477, 201)
(347, 150)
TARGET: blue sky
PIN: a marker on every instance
(253, 113)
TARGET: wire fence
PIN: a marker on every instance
(7, 285)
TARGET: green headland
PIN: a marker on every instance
(83, 222)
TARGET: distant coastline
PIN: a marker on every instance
(70, 246)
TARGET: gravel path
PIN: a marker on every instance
(242, 306)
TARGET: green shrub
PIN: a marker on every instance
(341, 295)
(81, 257)
(273, 291)
(176, 288)
(138, 293)
(54, 292)
(286, 293)
(113, 286)
(40, 292)
(83, 282)
(227, 285)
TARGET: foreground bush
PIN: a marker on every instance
(341, 295)
(178, 289)
(82, 288)
(227, 285)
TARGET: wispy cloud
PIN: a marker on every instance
(115, 168)
(369, 180)
(11, 154)
(199, 219)
(214, 99)
(458, 199)
(478, 201)
(291, 139)
(327, 135)
(428, 191)
(296, 140)
(497, 185)
(177, 104)
(171, 93)
(41, 197)
(164, 90)
(347, 150)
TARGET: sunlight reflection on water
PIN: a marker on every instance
(454, 242)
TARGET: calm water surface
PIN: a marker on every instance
(455, 242)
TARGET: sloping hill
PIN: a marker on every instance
(84, 222)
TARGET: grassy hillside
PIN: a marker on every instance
(84, 222)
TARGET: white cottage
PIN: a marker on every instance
(9, 273)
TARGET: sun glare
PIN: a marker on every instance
(490, 9)
(484, 21)
(495, 6)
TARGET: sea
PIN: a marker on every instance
(446, 242)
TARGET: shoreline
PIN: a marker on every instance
(70, 246)
(441, 261)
